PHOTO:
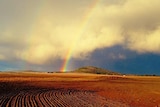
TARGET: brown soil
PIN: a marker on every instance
(82, 90)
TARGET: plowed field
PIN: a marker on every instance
(55, 98)
(77, 90)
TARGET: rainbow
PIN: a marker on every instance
(82, 26)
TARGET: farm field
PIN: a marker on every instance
(33, 89)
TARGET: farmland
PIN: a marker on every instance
(33, 89)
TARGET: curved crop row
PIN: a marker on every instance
(54, 98)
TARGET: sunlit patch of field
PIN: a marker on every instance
(62, 88)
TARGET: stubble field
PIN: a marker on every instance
(31, 89)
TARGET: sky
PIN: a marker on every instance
(54, 35)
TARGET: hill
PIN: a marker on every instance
(94, 70)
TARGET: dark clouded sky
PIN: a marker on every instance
(120, 35)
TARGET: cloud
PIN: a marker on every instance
(145, 42)
(116, 56)
(2, 57)
(139, 22)
(133, 24)
(49, 41)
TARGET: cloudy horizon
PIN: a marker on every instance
(38, 34)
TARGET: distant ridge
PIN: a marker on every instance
(95, 70)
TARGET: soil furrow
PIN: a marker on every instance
(55, 98)
(48, 99)
(43, 97)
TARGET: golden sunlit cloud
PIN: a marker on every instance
(134, 24)
(2, 57)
